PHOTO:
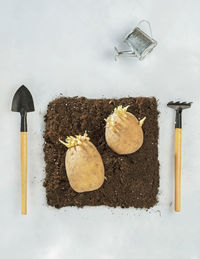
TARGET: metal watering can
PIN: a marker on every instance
(140, 44)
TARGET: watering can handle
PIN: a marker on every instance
(148, 23)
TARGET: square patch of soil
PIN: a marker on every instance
(131, 180)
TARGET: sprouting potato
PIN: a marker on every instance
(124, 134)
(84, 166)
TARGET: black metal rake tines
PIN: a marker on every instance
(179, 105)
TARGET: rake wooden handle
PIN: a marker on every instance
(178, 134)
(23, 173)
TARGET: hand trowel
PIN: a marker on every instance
(23, 103)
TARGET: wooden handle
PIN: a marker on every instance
(178, 169)
(23, 173)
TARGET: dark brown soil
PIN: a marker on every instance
(131, 180)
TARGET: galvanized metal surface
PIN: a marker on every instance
(140, 44)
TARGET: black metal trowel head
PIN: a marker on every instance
(23, 103)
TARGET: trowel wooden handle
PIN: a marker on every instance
(23, 173)
(178, 133)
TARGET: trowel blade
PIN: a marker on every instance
(22, 101)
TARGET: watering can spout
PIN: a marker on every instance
(127, 53)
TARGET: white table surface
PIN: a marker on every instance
(66, 47)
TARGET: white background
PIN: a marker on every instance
(66, 46)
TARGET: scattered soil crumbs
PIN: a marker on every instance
(131, 180)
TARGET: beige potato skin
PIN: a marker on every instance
(84, 167)
(127, 135)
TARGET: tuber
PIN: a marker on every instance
(124, 134)
(84, 166)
